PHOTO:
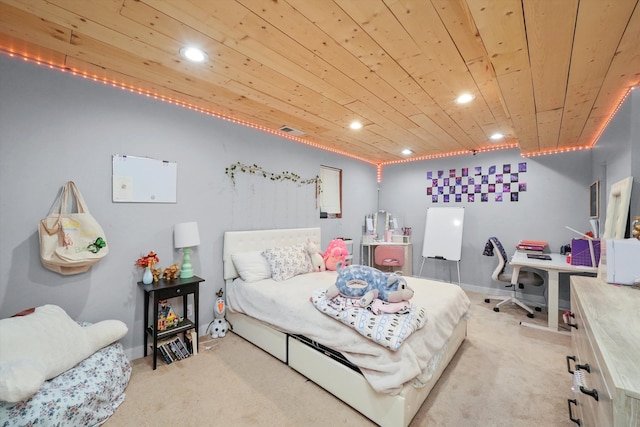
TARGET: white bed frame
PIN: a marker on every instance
(344, 383)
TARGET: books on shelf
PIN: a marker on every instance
(173, 349)
(191, 341)
(531, 246)
(167, 357)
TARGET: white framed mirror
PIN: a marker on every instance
(381, 223)
(615, 225)
(330, 192)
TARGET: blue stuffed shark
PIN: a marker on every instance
(368, 283)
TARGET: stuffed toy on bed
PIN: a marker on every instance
(336, 252)
(317, 261)
(368, 283)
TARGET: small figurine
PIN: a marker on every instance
(156, 272)
(171, 272)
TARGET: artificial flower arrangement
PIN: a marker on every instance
(148, 260)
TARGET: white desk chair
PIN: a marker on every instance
(525, 278)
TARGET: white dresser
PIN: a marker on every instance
(605, 338)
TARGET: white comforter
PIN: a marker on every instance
(286, 306)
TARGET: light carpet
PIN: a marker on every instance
(504, 374)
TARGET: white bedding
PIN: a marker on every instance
(286, 306)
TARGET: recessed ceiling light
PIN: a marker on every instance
(407, 152)
(193, 54)
(355, 125)
(464, 98)
(496, 136)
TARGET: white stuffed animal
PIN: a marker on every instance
(317, 261)
(219, 326)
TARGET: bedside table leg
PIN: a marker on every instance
(155, 329)
(146, 323)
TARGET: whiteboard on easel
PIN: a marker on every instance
(144, 180)
(443, 233)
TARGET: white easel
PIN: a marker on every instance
(443, 236)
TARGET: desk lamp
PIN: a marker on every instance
(185, 236)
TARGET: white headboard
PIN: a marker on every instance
(256, 240)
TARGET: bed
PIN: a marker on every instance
(358, 371)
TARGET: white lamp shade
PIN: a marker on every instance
(186, 235)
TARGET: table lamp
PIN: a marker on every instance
(185, 236)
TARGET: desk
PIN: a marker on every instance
(558, 264)
(368, 248)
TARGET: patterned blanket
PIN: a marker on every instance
(387, 329)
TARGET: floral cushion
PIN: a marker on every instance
(287, 262)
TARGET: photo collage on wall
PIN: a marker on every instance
(477, 185)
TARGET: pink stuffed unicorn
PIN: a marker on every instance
(336, 252)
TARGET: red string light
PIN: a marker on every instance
(183, 104)
(379, 166)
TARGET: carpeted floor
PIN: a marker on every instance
(503, 375)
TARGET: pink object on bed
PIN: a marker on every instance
(378, 307)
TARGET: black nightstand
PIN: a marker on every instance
(162, 290)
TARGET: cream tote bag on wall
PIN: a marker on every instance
(70, 242)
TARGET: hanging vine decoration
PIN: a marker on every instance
(257, 170)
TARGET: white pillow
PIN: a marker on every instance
(251, 266)
(44, 344)
(288, 261)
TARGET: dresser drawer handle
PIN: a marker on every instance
(569, 403)
(585, 367)
(593, 393)
(178, 290)
(569, 363)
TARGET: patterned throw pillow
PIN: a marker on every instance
(288, 261)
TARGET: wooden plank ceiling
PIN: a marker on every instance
(547, 74)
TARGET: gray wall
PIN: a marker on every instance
(55, 127)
